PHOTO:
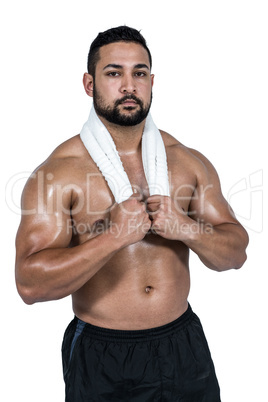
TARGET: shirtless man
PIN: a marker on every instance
(134, 336)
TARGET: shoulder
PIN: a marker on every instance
(70, 151)
(178, 153)
(64, 166)
(66, 158)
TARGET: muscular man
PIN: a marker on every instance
(134, 336)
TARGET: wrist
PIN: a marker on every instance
(115, 238)
(195, 231)
(111, 240)
(188, 231)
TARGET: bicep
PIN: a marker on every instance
(208, 203)
(45, 222)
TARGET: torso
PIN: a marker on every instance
(145, 284)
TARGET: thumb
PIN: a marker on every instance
(137, 196)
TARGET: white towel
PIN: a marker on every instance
(101, 147)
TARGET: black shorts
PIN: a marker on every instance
(167, 363)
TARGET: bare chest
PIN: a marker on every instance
(92, 198)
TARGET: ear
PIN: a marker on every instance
(152, 79)
(88, 84)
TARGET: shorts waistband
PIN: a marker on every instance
(100, 333)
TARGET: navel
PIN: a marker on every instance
(148, 289)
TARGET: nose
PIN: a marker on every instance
(128, 84)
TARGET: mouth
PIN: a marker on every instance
(129, 102)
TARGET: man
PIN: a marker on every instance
(134, 336)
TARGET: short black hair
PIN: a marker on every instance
(119, 34)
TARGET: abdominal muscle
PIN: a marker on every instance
(143, 286)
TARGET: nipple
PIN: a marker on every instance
(148, 289)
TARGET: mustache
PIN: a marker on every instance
(128, 97)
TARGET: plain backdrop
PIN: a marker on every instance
(210, 64)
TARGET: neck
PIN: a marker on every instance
(100, 145)
(127, 139)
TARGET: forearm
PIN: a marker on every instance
(220, 247)
(52, 274)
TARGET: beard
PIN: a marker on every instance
(113, 114)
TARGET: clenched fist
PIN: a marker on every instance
(129, 221)
(168, 220)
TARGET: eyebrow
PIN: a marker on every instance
(118, 66)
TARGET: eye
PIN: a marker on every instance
(140, 74)
(113, 74)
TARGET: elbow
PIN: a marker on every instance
(26, 289)
(227, 261)
(237, 256)
(30, 293)
(29, 287)
(241, 261)
(26, 294)
(235, 263)
(241, 256)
